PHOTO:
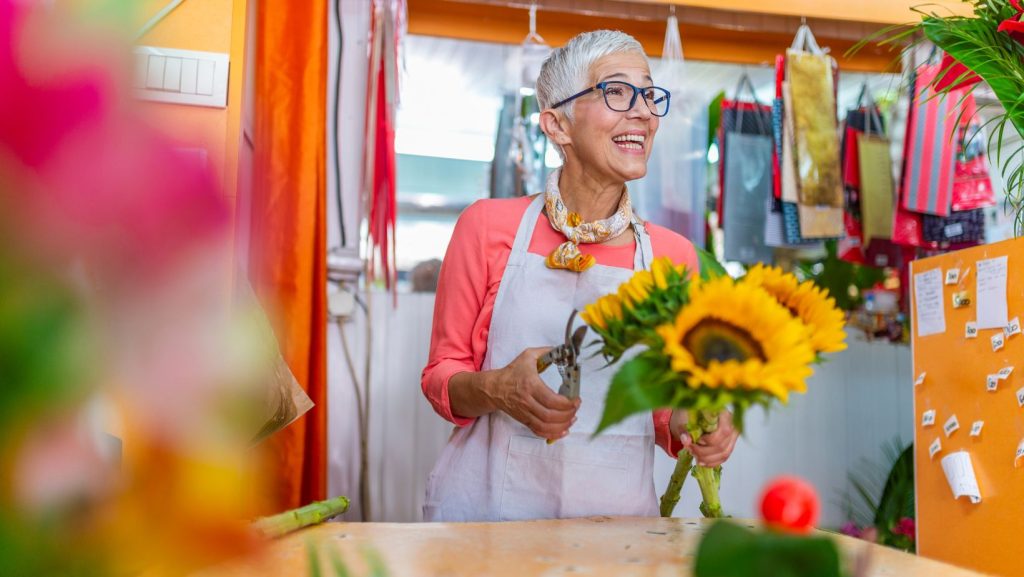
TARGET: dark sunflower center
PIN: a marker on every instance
(717, 340)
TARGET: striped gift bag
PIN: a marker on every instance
(928, 171)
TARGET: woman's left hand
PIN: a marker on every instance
(712, 449)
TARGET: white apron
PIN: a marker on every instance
(496, 469)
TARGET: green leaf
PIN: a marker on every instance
(338, 564)
(715, 116)
(313, 556)
(710, 268)
(641, 384)
(728, 550)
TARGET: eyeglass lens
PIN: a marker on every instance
(618, 95)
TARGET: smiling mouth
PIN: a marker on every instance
(634, 142)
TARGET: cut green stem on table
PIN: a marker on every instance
(295, 519)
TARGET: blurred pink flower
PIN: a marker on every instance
(91, 181)
(851, 529)
(905, 527)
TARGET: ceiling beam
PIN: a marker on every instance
(870, 11)
(707, 34)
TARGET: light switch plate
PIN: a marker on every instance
(179, 76)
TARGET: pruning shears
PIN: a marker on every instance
(566, 358)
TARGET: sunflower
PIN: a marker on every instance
(736, 336)
(599, 313)
(635, 291)
(807, 301)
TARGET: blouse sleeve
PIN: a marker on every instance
(461, 288)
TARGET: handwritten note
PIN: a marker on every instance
(1004, 372)
(997, 341)
(1020, 397)
(1020, 453)
(1013, 328)
(928, 418)
(952, 276)
(931, 314)
(976, 428)
(992, 383)
(920, 380)
(951, 426)
(992, 313)
(971, 330)
(934, 448)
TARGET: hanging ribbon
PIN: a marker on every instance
(379, 179)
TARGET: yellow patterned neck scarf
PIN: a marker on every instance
(568, 255)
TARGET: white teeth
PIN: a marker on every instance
(630, 138)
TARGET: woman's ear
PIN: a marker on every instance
(555, 126)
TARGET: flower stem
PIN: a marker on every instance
(708, 479)
(684, 462)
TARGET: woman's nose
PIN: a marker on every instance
(640, 109)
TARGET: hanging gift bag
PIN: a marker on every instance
(859, 119)
(877, 190)
(743, 117)
(927, 185)
(782, 228)
(809, 94)
(747, 180)
(972, 187)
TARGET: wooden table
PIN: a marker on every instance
(596, 546)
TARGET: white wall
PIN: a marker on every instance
(857, 402)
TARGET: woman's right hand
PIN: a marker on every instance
(519, 391)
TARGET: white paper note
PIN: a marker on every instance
(928, 418)
(935, 447)
(997, 341)
(1020, 397)
(991, 297)
(960, 475)
(1013, 327)
(920, 380)
(951, 426)
(971, 330)
(976, 428)
(1020, 452)
(952, 276)
(1004, 372)
(931, 313)
(992, 383)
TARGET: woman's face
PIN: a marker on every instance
(613, 146)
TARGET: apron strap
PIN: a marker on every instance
(525, 231)
(644, 255)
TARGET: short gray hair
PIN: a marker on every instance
(566, 70)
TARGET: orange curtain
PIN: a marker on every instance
(288, 241)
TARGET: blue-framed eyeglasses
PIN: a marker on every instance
(621, 96)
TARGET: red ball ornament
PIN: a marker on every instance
(790, 504)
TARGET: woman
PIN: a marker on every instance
(514, 271)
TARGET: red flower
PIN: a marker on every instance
(790, 504)
(1013, 26)
(953, 75)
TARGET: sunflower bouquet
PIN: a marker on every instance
(711, 344)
